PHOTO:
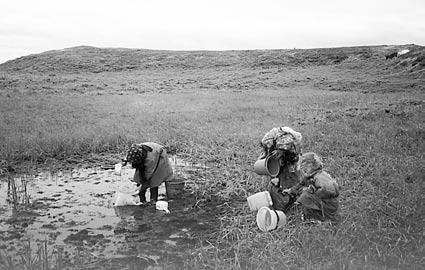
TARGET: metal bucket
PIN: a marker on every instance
(267, 166)
(174, 188)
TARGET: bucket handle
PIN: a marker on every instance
(277, 216)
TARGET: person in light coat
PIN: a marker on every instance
(318, 191)
(152, 168)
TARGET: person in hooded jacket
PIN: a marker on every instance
(318, 191)
(152, 168)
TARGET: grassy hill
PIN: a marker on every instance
(94, 70)
(95, 60)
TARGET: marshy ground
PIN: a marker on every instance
(66, 113)
(74, 210)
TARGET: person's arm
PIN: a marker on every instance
(323, 193)
(142, 173)
(297, 187)
(326, 187)
(278, 154)
(264, 151)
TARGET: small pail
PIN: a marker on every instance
(267, 166)
(174, 188)
(259, 200)
(162, 206)
(269, 219)
(117, 168)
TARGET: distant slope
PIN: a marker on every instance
(84, 59)
(90, 70)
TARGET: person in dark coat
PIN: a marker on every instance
(283, 143)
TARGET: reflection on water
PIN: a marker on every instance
(74, 210)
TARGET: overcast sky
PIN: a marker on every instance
(34, 26)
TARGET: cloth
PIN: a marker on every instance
(289, 176)
(137, 153)
(285, 140)
(282, 138)
(310, 163)
(318, 208)
(156, 167)
(281, 201)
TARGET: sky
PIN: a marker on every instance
(30, 26)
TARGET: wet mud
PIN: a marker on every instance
(72, 215)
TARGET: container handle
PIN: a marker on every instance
(277, 216)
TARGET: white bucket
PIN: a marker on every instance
(259, 200)
(117, 168)
(269, 219)
(162, 206)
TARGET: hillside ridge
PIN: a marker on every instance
(96, 60)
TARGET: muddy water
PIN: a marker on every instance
(73, 213)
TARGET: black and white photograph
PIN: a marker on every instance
(216, 135)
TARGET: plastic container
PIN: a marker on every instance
(162, 206)
(269, 219)
(174, 188)
(117, 168)
(267, 166)
(123, 199)
(259, 200)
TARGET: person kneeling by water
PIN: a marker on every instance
(319, 191)
(152, 168)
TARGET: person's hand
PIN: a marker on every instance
(124, 162)
(277, 154)
(288, 190)
(137, 190)
(311, 189)
(275, 181)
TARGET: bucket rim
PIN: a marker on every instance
(269, 158)
(273, 219)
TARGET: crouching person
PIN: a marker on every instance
(284, 144)
(318, 190)
(152, 168)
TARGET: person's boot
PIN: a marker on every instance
(142, 195)
(154, 194)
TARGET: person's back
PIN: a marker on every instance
(327, 185)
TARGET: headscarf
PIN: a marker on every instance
(284, 138)
(310, 164)
(136, 155)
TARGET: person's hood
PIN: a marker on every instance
(310, 164)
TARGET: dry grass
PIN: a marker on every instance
(372, 143)
(370, 134)
(42, 257)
